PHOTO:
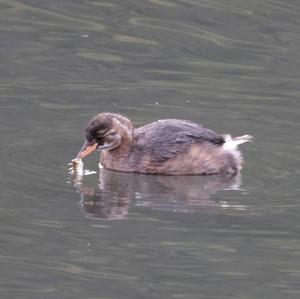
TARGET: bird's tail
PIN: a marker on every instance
(232, 143)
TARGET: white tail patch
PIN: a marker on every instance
(233, 143)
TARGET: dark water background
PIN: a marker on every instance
(232, 65)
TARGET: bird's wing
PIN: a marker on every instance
(165, 139)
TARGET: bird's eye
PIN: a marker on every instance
(112, 133)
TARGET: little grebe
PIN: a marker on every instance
(169, 146)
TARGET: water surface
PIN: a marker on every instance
(231, 65)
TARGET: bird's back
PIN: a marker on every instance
(164, 139)
(174, 146)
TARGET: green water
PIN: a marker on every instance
(231, 65)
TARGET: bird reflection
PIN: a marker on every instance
(117, 192)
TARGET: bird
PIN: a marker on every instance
(165, 147)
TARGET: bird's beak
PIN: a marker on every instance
(87, 148)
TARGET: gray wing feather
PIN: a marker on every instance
(165, 139)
